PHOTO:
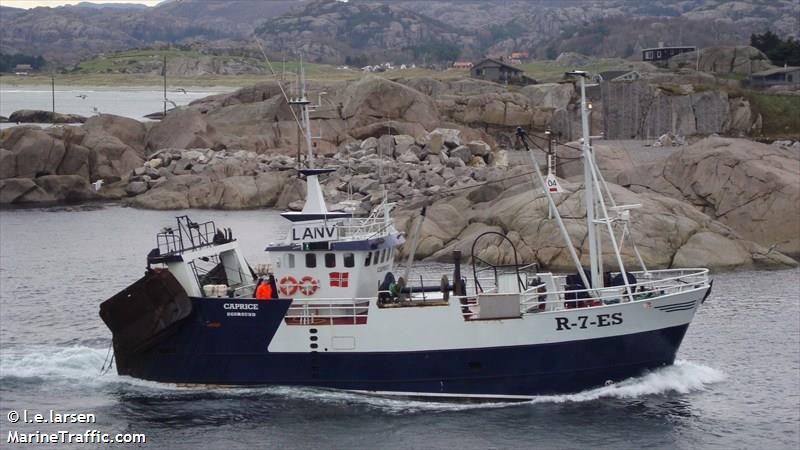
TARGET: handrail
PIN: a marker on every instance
(685, 280)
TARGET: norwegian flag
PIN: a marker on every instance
(338, 279)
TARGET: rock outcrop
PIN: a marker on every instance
(668, 232)
(752, 188)
(640, 110)
(734, 59)
(45, 166)
(39, 116)
(374, 99)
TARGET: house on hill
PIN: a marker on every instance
(462, 65)
(493, 70)
(781, 76)
(520, 55)
(23, 69)
(617, 75)
(661, 53)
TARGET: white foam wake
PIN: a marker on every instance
(79, 366)
(682, 377)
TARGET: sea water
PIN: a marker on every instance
(736, 383)
(134, 102)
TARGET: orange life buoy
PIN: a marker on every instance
(308, 286)
(287, 285)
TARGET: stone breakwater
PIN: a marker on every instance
(411, 171)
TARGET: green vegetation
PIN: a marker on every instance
(546, 70)
(9, 62)
(436, 51)
(314, 72)
(117, 61)
(779, 113)
(780, 52)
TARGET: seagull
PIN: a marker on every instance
(96, 111)
(81, 96)
(97, 185)
(180, 90)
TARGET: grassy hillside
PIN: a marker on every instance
(549, 70)
(779, 112)
(115, 61)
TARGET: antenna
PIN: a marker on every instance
(53, 94)
(164, 73)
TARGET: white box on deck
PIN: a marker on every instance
(499, 306)
(507, 283)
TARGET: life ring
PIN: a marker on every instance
(287, 285)
(308, 286)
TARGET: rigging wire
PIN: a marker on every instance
(280, 85)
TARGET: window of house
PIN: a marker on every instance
(349, 260)
(290, 260)
(330, 259)
(311, 260)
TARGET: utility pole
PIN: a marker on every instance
(697, 63)
(164, 72)
(53, 94)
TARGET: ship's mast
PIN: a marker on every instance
(589, 189)
(315, 201)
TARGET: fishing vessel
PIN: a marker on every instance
(342, 316)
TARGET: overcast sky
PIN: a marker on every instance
(34, 3)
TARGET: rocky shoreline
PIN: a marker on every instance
(719, 202)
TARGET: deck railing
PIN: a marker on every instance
(654, 283)
(359, 228)
(328, 311)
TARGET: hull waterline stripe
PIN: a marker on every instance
(672, 305)
(682, 308)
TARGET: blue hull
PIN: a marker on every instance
(210, 348)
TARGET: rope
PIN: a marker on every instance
(104, 369)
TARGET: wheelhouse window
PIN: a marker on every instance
(311, 260)
(330, 259)
(290, 260)
(383, 256)
(349, 260)
(369, 259)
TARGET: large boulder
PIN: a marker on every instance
(734, 59)
(752, 188)
(504, 109)
(109, 158)
(667, 231)
(45, 189)
(377, 99)
(128, 131)
(39, 116)
(37, 152)
(22, 190)
(181, 128)
(611, 159)
(550, 95)
(8, 164)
